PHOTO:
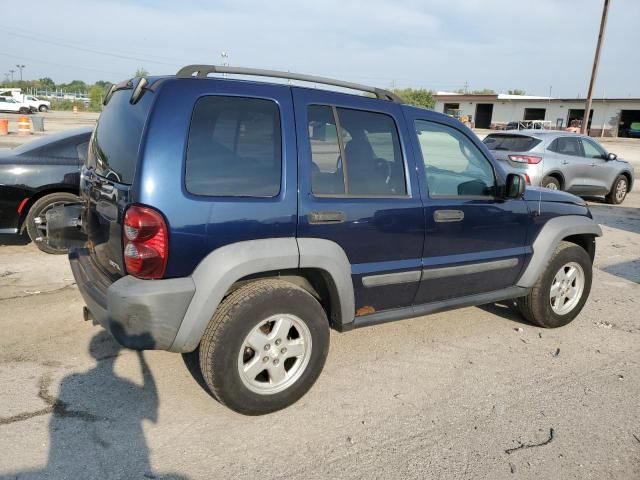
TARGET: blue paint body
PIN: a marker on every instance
(379, 235)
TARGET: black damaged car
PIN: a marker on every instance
(37, 176)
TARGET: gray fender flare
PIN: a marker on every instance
(548, 239)
(219, 270)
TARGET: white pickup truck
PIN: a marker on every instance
(29, 100)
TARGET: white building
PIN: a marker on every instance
(609, 116)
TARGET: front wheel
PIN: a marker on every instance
(43, 108)
(562, 290)
(264, 347)
(619, 191)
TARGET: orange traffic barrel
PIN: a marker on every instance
(4, 126)
(75, 109)
(24, 126)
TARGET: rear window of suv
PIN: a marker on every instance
(116, 141)
(234, 148)
(511, 143)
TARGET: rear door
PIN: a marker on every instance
(575, 167)
(358, 188)
(475, 241)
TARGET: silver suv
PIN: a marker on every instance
(563, 161)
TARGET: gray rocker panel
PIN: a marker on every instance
(548, 239)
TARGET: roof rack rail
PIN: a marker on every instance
(201, 71)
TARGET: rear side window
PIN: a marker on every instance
(234, 148)
(566, 146)
(114, 147)
(354, 152)
(512, 143)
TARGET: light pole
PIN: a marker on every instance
(21, 67)
(587, 109)
(11, 72)
(224, 57)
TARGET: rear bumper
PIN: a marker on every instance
(140, 314)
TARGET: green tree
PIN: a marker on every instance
(419, 97)
(74, 86)
(483, 91)
(47, 83)
(96, 94)
(141, 72)
(516, 91)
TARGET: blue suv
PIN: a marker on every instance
(244, 219)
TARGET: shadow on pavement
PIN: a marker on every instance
(96, 426)
(506, 309)
(629, 270)
(622, 218)
(6, 239)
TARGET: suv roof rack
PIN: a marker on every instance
(201, 71)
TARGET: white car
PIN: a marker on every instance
(10, 104)
(41, 105)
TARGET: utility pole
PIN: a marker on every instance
(11, 72)
(224, 57)
(594, 71)
(20, 67)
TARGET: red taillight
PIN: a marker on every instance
(145, 242)
(530, 159)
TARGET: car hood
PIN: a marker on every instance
(540, 194)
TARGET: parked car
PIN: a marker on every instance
(244, 219)
(563, 161)
(634, 130)
(40, 105)
(11, 105)
(38, 176)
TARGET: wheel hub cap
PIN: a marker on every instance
(275, 354)
(566, 288)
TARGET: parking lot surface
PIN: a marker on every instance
(471, 393)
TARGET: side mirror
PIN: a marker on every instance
(611, 156)
(515, 186)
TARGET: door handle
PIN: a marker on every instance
(325, 217)
(442, 216)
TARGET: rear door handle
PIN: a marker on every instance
(442, 216)
(326, 217)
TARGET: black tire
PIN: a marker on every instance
(36, 233)
(536, 306)
(551, 182)
(24, 111)
(621, 182)
(238, 315)
(43, 108)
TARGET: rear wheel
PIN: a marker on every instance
(24, 111)
(618, 191)
(36, 221)
(551, 183)
(562, 290)
(264, 347)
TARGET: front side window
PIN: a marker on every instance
(453, 165)
(234, 148)
(592, 149)
(354, 152)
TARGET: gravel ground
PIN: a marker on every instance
(472, 393)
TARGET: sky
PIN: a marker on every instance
(533, 45)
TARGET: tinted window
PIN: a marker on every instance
(234, 148)
(566, 146)
(454, 166)
(114, 147)
(512, 143)
(327, 177)
(592, 149)
(371, 153)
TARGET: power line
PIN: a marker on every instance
(20, 57)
